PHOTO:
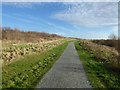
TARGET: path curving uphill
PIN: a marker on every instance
(67, 72)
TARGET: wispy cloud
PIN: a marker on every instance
(16, 18)
(83, 19)
(38, 22)
(90, 14)
(19, 4)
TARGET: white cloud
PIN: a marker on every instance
(90, 14)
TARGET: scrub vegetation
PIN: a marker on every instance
(100, 63)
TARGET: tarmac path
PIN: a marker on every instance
(67, 72)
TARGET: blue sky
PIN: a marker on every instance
(84, 20)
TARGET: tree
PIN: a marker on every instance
(112, 37)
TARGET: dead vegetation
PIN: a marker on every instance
(16, 50)
(16, 34)
(17, 43)
(102, 53)
(110, 43)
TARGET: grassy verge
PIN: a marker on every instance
(98, 74)
(27, 71)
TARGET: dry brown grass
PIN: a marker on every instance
(17, 43)
(102, 53)
(13, 50)
(111, 43)
(17, 35)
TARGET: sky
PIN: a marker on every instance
(86, 20)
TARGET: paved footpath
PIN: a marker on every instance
(67, 72)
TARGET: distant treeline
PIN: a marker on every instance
(16, 34)
(109, 42)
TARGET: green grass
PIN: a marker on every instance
(98, 75)
(26, 72)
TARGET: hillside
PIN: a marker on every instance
(16, 34)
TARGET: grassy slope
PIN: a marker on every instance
(27, 71)
(99, 76)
